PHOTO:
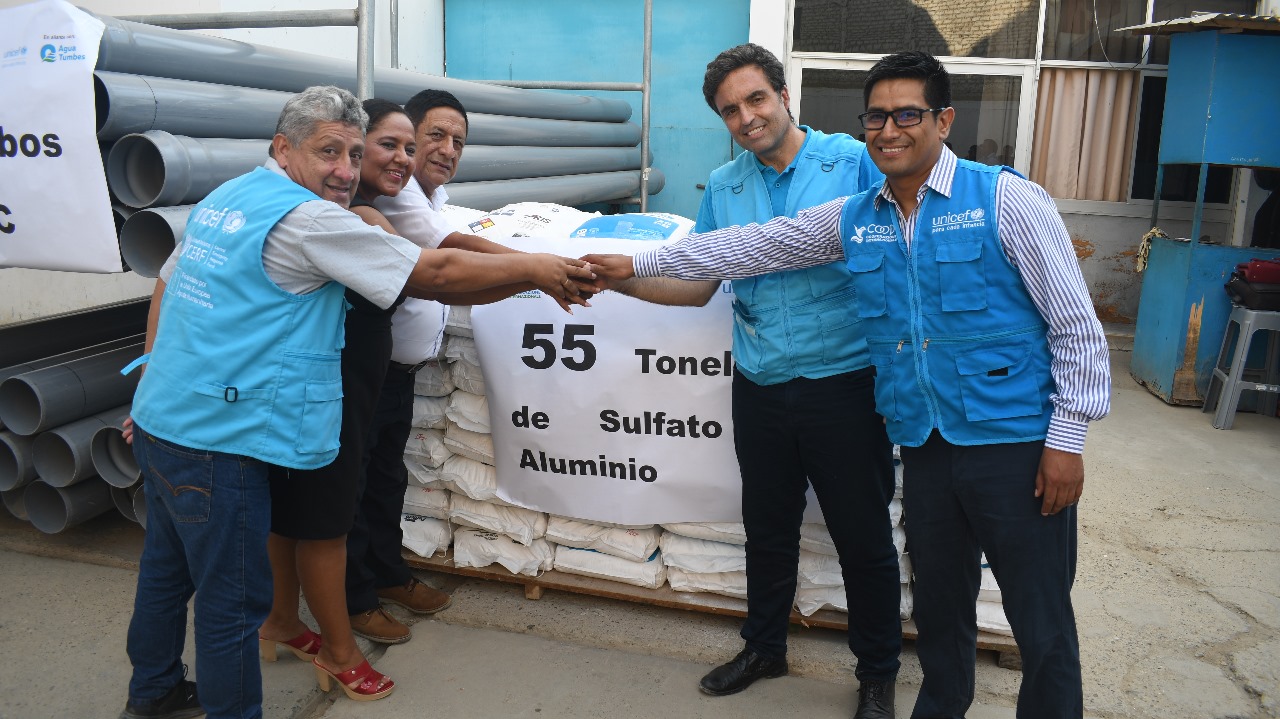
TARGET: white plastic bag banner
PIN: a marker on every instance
(55, 213)
(619, 412)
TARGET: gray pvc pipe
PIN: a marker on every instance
(53, 509)
(33, 402)
(120, 213)
(17, 467)
(63, 455)
(65, 357)
(508, 163)
(570, 190)
(140, 505)
(128, 104)
(113, 457)
(149, 236)
(122, 497)
(159, 168)
(15, 501)
(144, 49)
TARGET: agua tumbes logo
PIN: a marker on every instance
(48, 53)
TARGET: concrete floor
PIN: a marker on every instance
(1177, 599)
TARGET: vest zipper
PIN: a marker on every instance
(917, 314)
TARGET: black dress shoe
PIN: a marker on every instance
(180, 702)
(875, 701)
(739, 673)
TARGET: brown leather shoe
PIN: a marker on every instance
(377, 625)
(417, 597)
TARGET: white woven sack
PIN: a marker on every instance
(989, 590)
(428, 502)
(472, 445)
(895, 512)
(730, 584)
(433, 380)
(728, 532)
(589, 563)
(424, 536)
(701, 555)
(468, 377)
(991, 618)
(429, 412)
(819, 570)
(458, 321)
(900, 540)
(529, 219)
(461, 349)
(906, 603)
(904, 567)
(474, 479)
(814, 537)
(473, 548)
(636, 545)
(427, 446)
(469, 411)
(522, 525)
(897, 475)
(421, 475)
(811, 599)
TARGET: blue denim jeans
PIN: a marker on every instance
(208, 515)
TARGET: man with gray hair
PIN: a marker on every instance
(244, 339)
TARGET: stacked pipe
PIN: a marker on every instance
(62, 458)
(175, 138)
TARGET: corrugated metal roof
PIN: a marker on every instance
(1209, 21)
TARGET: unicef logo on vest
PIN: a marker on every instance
(873, 233)
(235, 220)
(959, 220)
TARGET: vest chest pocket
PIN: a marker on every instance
(321, 417)
(998, 383)
(962, 280)
(868, 272)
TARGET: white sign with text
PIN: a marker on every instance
(55, 213)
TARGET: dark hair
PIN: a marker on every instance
(734, 58)
(419, 105)
(912, 65)
(377, 108)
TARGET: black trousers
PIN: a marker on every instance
(825, 432)
(373, 545)
(960, 501)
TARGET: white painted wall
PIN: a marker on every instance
(29, 294)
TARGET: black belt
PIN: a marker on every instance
(411, 368)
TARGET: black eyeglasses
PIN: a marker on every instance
(905, 117)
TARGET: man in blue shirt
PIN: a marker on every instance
(803, 403)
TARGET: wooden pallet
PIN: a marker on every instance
(667, 597)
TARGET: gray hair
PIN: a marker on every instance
(317, 104)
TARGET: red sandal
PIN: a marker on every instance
(370, 684)
(305, 646)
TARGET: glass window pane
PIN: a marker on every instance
(986, 125)
(980, 28)
(1084, 30)
(1180, 181)
(1174, 9)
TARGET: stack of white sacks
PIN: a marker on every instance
(452, 495)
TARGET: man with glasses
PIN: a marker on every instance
(990, 362)
(803, 387)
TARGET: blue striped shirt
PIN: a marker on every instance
(1034, 240)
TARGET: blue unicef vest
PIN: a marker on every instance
(957, 343)
(798, 323)
(239, 365)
